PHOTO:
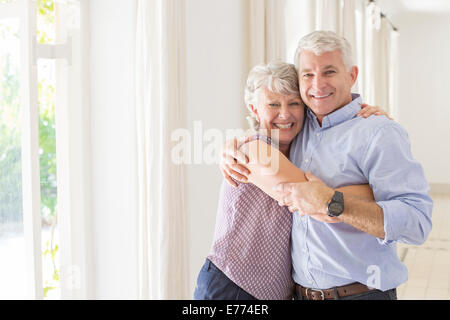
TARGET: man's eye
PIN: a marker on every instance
(274, 104)
(330, 72)
(307, 75)
(294, 104)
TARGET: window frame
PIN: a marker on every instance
(73, 152)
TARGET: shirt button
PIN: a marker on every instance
(318, 134)
(306, 160)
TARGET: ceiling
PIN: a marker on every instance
(430, 6)
(394, 7)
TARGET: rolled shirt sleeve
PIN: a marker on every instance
(399, 186)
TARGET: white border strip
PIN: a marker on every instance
(30, 150)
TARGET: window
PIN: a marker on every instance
(40, 83)
(12, 241)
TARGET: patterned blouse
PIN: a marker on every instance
(252, 242)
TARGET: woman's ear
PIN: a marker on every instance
(253, 110)
(253, 121)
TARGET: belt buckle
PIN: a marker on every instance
(322, 294)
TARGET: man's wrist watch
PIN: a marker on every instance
(336, 205)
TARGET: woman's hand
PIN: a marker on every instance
(367, 111)
(233, 160)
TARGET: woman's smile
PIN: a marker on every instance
(284, 126)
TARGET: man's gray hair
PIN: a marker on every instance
(278, 77)
(320, 42)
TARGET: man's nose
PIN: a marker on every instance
(319, 82)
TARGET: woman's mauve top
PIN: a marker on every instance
(252, 241)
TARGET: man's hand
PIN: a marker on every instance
(367, 111)
(232, 161)
(309, 198)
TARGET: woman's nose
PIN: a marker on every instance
(284, 112)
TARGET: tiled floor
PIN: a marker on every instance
(429, 264)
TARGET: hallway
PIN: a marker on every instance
(429, 264)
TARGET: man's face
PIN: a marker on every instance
(325, 83)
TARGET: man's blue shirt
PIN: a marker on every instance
(349, 150)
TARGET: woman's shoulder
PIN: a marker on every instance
(259, 137)
(242, 191)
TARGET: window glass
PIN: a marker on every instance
(12, 241)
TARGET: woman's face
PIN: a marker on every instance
(280, 112)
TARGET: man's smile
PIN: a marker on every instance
(319, 97)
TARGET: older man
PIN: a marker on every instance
(345, 248)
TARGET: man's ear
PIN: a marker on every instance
(354, 71)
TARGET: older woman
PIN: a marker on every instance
(250, 257)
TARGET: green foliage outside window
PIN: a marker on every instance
(10, 136)
(10, 139)
(10, 133)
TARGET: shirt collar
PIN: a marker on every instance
(345, 113)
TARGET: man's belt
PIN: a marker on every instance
(327, 294)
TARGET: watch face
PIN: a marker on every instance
(336, 208)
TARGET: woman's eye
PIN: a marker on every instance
(295, 104)
(274, 105)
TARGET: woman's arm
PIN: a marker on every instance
(233, 162)
(269, 167)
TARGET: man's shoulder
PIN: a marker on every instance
(374, 125)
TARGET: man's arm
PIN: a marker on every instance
(269, 167)
(312, 198)
(399, 185)
(364, 215)
(402, 211)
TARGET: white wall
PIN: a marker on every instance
(215, 41)
(112, 24)
(424, 100)
(216, 70)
